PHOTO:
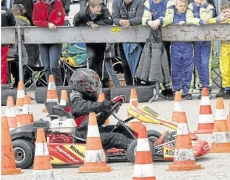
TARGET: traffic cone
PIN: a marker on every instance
(42, 168)
(95, 158)
(205, 121)
(101, 98)
(52, 95)
(27, 115)
(143, 166)
(64, 98)
(8, 159)
(177, 107)
(134, 124)
(20, 102)
(11, 113)
(220, 135)
(184, 159)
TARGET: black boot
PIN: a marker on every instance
(221, 93)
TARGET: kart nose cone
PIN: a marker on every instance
(200, 148)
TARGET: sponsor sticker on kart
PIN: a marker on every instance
(168, 153)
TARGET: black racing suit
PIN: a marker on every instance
(82, 105)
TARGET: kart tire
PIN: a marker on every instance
(8, 92)
(131, 150)
(153, 135)
(144, 93)
(24, 153)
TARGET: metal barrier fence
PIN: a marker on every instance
(113, 34)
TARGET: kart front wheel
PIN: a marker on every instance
(153, 135)
(23, 153)
(131, 150)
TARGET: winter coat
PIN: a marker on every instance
(7, 18)
(41, 16)
(83, 16)
(133, 11)
(153, 65)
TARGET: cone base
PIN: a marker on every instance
(220, 148)
(87, 169)
(184, 167)
(208, 131)
(11, 171)
(144, 178)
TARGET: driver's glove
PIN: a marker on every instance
(121, 98)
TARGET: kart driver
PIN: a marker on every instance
(86, 86)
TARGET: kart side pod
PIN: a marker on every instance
(63, 125)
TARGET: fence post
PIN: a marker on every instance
(18, 27)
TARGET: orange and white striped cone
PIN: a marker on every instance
(143, 166)
(42, 169)
(101, 98)
(95, 158)
(8, 165)
(11, 113)
(177, 106)
(220, 135)
(20, 102)
(184, 159)
(27, 115)
(52, 95)
(64, 98)
(205, 121)
(134, 124)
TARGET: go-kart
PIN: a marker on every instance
(65, 143)
(67, 147)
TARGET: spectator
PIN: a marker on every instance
(82, 4)
(224, 51)
(50, 14)
(200, 12)
(109, 55)
(66, 6)
(7, 19)
(94, 15)
(127, 13)
(181, 54)
(156, 13)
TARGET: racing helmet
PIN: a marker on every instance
(87, 82)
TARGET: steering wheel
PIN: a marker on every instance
(115, 106)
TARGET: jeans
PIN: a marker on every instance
(82, 4)
(111, 72)
(50, 55)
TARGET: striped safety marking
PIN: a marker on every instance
(143, 170)
(220, 114)
(177, 106)
(43, 174)
(93, 131)
(183, 155)
(220, 137)
(206, 118)
(52, 100)
(205, 100)
(182, 129)
(27, 109)
(143, 144)
(63, 102)
(94, 156)
(10, 112)
(41, 149)
(52, 86)
(20, 94)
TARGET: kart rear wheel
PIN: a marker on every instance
(153, 135)
(23, 153)
(131, 150)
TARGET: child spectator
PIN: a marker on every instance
(95, 15)
(224, 51)
(7, 19)
(199, 13)
(50, 14)
(181, 54)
